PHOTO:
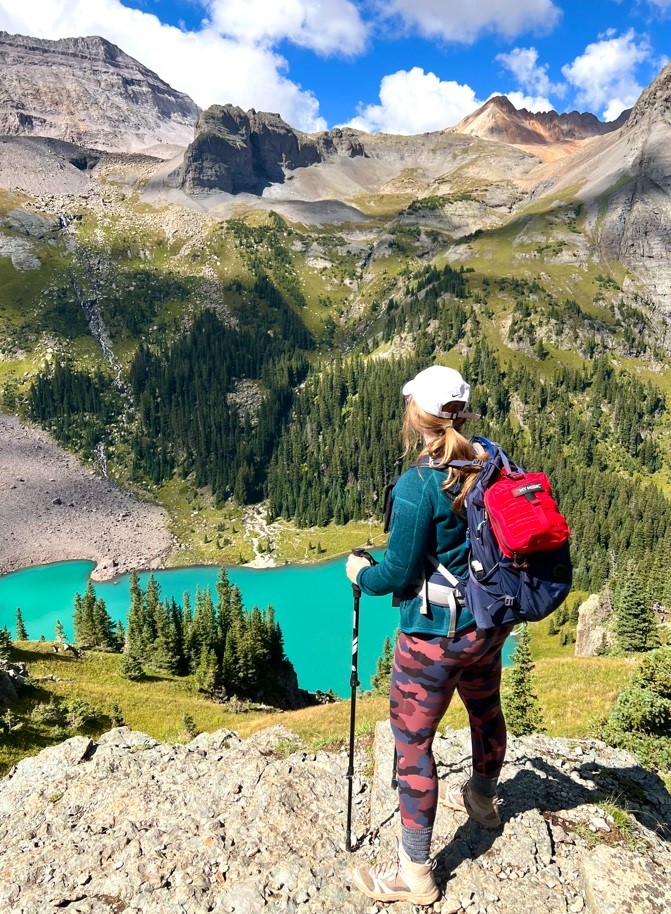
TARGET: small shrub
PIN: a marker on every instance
(116, 715)
(9, 722)
(640, 720)
(47, 713)
(187, 728)
(79, 713)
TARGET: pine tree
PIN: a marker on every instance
(230, 677)
(204, 627)
(206, 678)
(131, 667)
(187, 622)
(5, 643)
(60, 631)
(224, 596)
(165, 652)
(84, 625)
(104, 629)
(522, 710)
(635, 623)
(574, 612)
(382, 676)
(135, 633)
(552, 628)
(274, 640)
(152, 610)
(21, 633)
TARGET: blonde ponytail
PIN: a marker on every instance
(446, 443)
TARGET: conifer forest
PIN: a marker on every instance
(323, 438)
(230, 651)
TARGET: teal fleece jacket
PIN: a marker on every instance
(422, 523)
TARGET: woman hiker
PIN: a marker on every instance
(439, 647)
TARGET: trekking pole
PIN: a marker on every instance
(354, 684)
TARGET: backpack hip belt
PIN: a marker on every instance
(442, 589)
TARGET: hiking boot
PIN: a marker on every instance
(475, 804)
(398, 880)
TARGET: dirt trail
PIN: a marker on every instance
(257, 530)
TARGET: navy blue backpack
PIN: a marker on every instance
(501, 589)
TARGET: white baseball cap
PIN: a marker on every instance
(432, 388)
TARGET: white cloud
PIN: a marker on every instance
(412, 101)
(208, 66)
(530, 102)
(604, 74)
(465, 20)
(530, 76)
(661, 4)
(325, 26)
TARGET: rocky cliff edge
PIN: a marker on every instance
(126, 824)
(236, 151)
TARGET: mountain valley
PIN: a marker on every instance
(541, 239)
(206, 320)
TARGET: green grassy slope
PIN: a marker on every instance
(572, 693)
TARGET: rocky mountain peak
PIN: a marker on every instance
(92, 46)
(654, 105)
(502, 102)
(236, 151)
(499, 120)
(89, 92)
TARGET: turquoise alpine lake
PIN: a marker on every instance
(313, 605)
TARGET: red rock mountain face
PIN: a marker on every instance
(499, 120)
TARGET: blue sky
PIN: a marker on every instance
(398, 65)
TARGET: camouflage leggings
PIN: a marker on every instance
(426, 672)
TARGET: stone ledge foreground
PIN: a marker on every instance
(126, 824)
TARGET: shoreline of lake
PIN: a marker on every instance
(312, 604)
(53, 509)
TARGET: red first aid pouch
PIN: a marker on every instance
(523, 514)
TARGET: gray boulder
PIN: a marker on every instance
(222, 824)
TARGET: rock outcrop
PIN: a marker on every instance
(12, 680)
(499, 120)
(89, 92)
(594, 633)
(236, 151)
(127, 824)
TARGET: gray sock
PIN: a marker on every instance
(416, 843)
(485, 786)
